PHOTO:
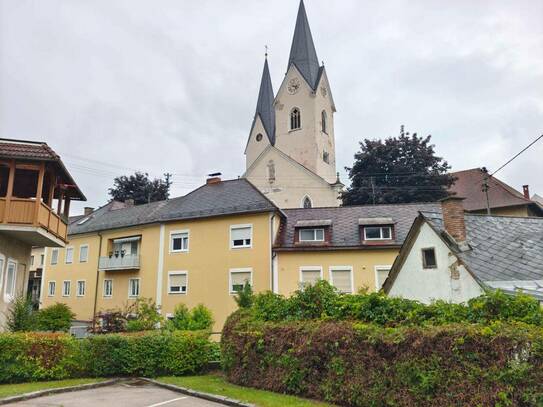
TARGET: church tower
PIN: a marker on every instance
(290, 153)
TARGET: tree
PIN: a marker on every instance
(397, 170)
(140, 188)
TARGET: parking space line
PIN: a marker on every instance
(167, 401)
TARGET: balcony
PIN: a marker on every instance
(115, 263)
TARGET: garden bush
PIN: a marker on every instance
(199, 318)
(55, 318)
(21, 317)
(47, 356)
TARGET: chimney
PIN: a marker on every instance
(453, 218)
(87, 210)
(129, 202)
(213, 178)
(526, 190)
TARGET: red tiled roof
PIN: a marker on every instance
(26, 150)
(469, 186)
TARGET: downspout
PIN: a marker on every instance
(97, 279)
(272, 253)
(160, 268)
(42, 282)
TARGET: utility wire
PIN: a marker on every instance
(519, 153)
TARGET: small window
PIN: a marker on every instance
(31, 260)
(42, 259)
(66, 286)
(69, 255)
(307, 202)
(81, 288)
(241, 236)
(108, 288)
(51, 288)
(179, 241)
(83, 253)
(311, 235)
(11, 278)
(259, 137)
(310, 276)
(323, 122)
(341, 278)
(429, 258)
(134, 287)
(377, 233)
(326, 157)
(238, 279)
(54, 256)
(295, 119)
(177, 283)
(381, 274)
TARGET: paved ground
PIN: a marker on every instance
(138, 394)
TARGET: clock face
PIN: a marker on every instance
(324, 91)
(293, 86)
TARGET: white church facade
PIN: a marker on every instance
(290, 153)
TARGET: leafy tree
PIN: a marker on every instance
(140, 188)
(400, 169)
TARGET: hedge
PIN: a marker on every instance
(358, 364)
(41, 356)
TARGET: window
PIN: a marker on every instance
(310, 275)
(81, 288)
(259, 137)
(306, 203)
(177, 283)
(11, 277)
(42, 259)
(238, 278)
(52, 288)
(429, 258)
(108, 288)
(295, 119)
(66, 285)
(341, 278)
(134, 287)
(377, 233)
(311, 235)
(323, 121)
(83, 253)
(179, 241)
(31, 260)
(241, 236)
(54, 256)
(381, 274)
(326, 157)
(69, 255)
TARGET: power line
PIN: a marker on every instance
(519, 153)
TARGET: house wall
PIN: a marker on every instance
(518, 211)
(37, 253)
(449, 281)
(362, 262)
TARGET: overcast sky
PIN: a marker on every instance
(171, 86)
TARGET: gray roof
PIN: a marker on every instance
(264, 105)
(223, 198)
(302, 51)
(502, 248)
(344, 222)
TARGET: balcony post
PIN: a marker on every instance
(60, 199)
(52, 185)
(9, 192)
(67, 207)
(39, 192)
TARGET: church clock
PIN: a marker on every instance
(293, 86)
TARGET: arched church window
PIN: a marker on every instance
(295, 119)
(271, 171)
(307, 202)
(258, 137)
(323, 122)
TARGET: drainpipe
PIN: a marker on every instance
(272, 271)
(97, 279)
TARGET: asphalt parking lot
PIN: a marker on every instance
(139, 394)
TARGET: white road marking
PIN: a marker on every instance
(167, 401)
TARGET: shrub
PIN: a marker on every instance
(57, 317)
(244, 297)
(20, 315)
(199, 318)
(146, 316)
(106, 322)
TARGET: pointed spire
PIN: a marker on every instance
(302, 50)
(264, 106)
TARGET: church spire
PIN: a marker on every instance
(302, 50)
(264, 106)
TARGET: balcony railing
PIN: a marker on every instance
(23, 212)
(126, 262)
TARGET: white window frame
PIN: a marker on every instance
(331, 269)
(68, 248)
(178, 273)
(53, 251)
(81, 247)
(54, 285)
(178, 232)
(69, 286)
(104, 288)
(238, 270)
(77, 293)
(2, 268)
(378, 268)
(380, 232)
(314, 235)
(309, 268)
(243, 226)
(130, 295)
(10, 297)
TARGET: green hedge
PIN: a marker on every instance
(41, 356)
(358, 364)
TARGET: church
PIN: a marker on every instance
(290, 152)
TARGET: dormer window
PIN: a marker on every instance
(311, 235)
(375, 229)
(295, 119)
(312, 231)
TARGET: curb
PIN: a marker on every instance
(41, 393)
(206, 396)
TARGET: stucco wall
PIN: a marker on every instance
(449, 281)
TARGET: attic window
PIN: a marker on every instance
(429, 258)
(311, 235)
(377, 232)
(259, 137)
